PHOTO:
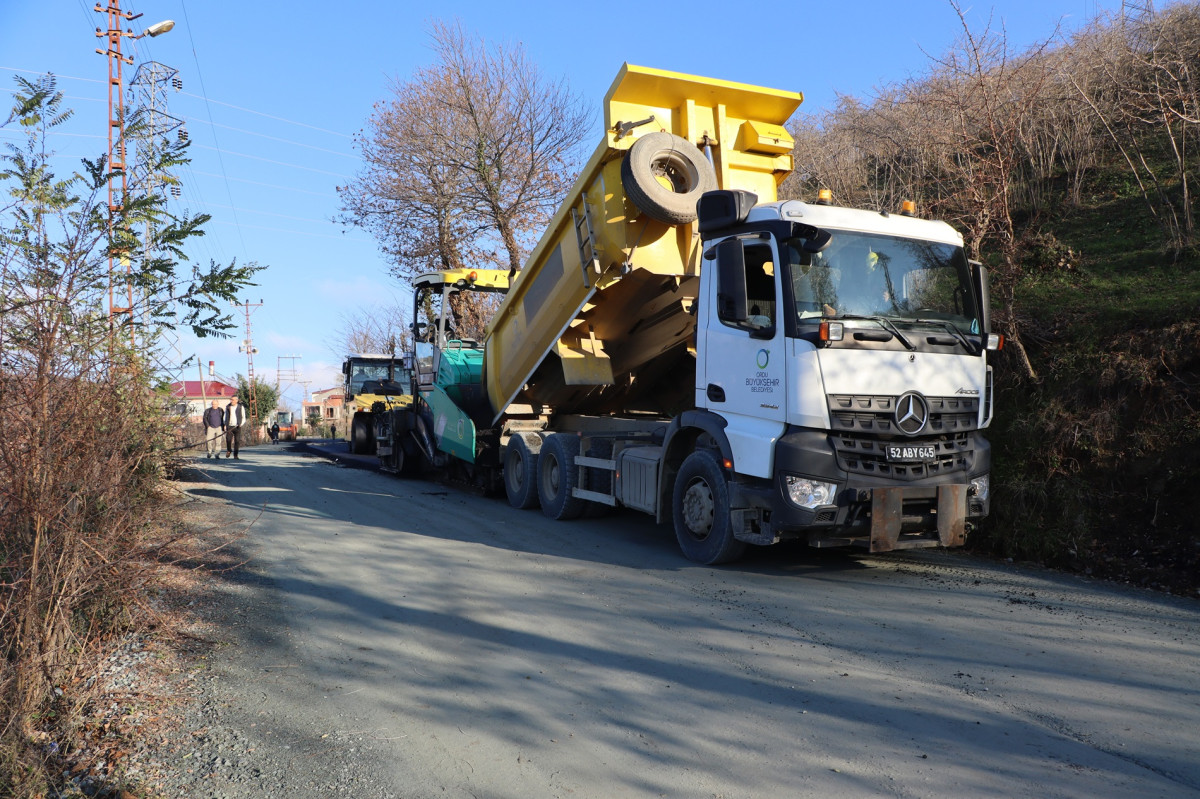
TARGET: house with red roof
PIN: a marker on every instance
(191, 397)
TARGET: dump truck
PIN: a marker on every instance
(372, 383)
(681, 343)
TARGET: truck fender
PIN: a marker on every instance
(680, 441)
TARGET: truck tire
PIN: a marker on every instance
(657, 160)
(700, 511)
(362, 437)
(557, 474)
(520, 471)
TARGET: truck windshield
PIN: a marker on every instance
(865, 274)
(362, 372)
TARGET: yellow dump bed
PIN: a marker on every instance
(598, 319)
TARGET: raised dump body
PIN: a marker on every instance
(600, 318)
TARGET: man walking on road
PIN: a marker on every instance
(214, 423)
(235, 417)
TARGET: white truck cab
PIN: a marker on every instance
(844, 352)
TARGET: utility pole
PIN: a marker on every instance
(249, 348)
(117, 187)
(149, 89)
(119, 252)
(290, 374)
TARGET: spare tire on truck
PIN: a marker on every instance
(664, 175)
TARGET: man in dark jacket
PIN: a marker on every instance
(214, 424)
(235, 417)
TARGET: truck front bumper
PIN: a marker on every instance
(880, 514)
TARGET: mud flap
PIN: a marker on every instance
(887, 505)
(887, 512)
(952, 515)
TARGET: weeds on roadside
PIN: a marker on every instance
(87, 439)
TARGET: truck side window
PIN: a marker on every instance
(746, 285)
(760, 286)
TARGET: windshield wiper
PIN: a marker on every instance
(886, 324)
(952, 330)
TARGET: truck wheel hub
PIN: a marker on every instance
(698, 509)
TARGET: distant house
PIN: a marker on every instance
(191, 397)
(326, 406)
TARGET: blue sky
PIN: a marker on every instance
(273, 93)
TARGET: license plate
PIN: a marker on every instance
(907, 453)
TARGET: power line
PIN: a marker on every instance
(327, 195)
(272, 161)
(281, 119)
(208, 109)
(272, 138)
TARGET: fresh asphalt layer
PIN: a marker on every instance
(398, 638)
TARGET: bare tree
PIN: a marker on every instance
(375, 329)
(1142, 83)
(516, 144)
(468, 159)
(406, 194)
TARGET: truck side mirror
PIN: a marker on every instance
(731, 281)
(815, 239)
(980, 282)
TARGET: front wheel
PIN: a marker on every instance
(362, 436)
(700, 511)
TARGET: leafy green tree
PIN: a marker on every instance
(266, 398)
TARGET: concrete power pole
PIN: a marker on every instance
(249, 348)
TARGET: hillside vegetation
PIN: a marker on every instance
(1070, 170)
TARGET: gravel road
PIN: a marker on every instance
(393, 638)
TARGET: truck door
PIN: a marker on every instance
(745, 369)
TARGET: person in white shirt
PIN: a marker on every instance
(235, 417)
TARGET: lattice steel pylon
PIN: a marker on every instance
(148, 100)
(1136, 11)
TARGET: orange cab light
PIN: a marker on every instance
(473, 276)
(832, 331)
(824, 197)
(908, 208)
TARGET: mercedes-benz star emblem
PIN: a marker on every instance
(911, 413)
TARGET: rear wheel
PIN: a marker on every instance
(700, 511)
(520, 471)
(557, 475)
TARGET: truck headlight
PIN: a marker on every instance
(809, 493)
(980, 487)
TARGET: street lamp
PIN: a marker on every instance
(157, 29)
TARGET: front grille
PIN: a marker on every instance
(859, 454)
(875, 415)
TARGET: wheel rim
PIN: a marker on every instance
(512, 471)
(550, 477)
(674, 173)
(698, 509)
